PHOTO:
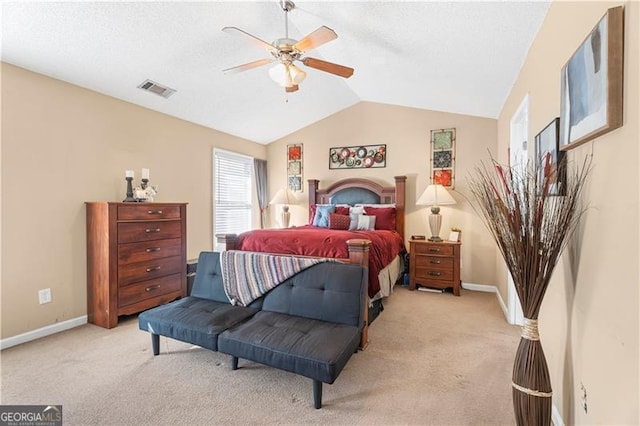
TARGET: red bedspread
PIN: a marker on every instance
(323, 242)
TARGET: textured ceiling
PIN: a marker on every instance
(460, 57)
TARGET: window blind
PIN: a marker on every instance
(233, 177)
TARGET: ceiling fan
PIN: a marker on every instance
(285, 51)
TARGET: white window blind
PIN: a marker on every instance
(232, 183)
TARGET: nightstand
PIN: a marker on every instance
(434, 264)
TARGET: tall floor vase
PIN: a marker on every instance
(531, 382)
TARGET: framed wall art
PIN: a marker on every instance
(358, 157)
(443, 157)
(547, 143)
(294, 167)
(592, 83)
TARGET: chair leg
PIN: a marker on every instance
(234, 362)
(155, 343)
(317, 394)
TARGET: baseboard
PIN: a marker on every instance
(489, 289)
(42, 332)
(556, 418)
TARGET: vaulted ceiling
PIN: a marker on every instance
(460, 56)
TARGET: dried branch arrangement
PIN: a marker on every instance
(531, 228)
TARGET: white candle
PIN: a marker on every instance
(145, 173)
(129, 174)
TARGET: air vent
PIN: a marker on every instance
(158, 89)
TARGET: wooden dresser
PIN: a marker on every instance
(136, 258)
(434, 264)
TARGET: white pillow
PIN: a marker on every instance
(354, 213)
(375, 205)
(366, 223)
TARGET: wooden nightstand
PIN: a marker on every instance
(434, 264)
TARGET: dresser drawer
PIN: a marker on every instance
(434, 262)
(148, 289)
(129, 232)
(434, 274)
(434, 249)
(148, 250)
(148, 212)
(142, 271)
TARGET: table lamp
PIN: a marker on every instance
(435, 196)
(285, 197)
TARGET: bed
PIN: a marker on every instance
(381, 250)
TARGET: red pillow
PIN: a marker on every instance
(342, 210)
(385, 217)
(312, 213)
(339, 221)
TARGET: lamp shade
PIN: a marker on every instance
(283, 196)
(435, 195)
(286, 74)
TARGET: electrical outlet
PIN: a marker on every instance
(584, 397)
(44, 296)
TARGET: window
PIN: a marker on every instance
(232, 183)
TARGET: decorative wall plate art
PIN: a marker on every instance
(294, 167)
(358, 157)
(443, 153)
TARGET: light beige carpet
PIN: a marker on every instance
(434, 359)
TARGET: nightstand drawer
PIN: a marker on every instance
(445, 263)
(148, 212)
(129, 232)
(143, 271)
(434, 249)
(434, 274)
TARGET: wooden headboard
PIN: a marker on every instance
(386, 194)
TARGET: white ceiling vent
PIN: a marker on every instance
(158, 89)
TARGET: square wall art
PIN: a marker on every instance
(443, 157)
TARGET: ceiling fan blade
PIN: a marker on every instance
(291, 89)
(317, 38)
(329, 67)
(247, 66)
(254, 40)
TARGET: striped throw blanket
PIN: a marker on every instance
(247, 276)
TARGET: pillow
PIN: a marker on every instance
(340, 209)
(343, 210)
(339, 221)
(354, 212)
(385, 217)
(366, 223)
(321, 217)
(375, 205)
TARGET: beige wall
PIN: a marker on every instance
(589, 317)
(63, 145)
(406, 132)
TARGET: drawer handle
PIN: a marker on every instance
(152, 249)
(434, 250)
(435, 262)
(155, 268)
(153, 287)
(435, 274)
(154, 211)
(151, 231)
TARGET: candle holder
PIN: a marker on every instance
(144, 184)
(129, 190)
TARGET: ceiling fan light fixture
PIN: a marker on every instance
(287, 74)
(297, 75)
